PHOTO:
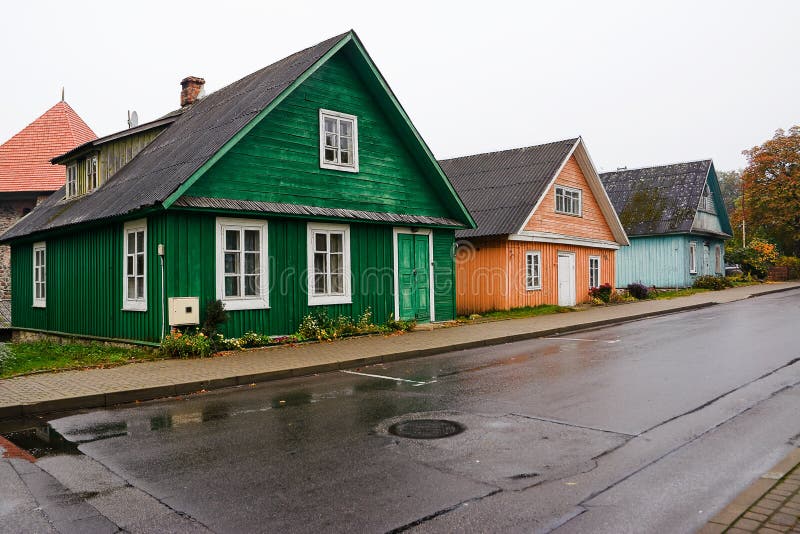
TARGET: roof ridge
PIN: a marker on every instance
(571, 139)
(626, 169)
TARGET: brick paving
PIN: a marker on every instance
(48, 392)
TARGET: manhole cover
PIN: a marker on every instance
(426, 428)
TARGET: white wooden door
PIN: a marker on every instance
(566, 279)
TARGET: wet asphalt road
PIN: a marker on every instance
(645, 427)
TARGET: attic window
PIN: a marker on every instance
(72, 180)
(91, 173)
(338, 141)
(707, 202)
(568, 200)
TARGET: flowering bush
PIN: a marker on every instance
(187, 345)
(638, 291)
(602, 293)
(756, 259)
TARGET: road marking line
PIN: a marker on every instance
(582, 339)
(415, 383)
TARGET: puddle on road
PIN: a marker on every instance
(42, 441)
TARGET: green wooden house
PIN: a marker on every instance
(676, 222)
(303, 186)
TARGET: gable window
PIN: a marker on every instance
(568, 200)
(242, 279)
(72, 180)
(328, 264)
(135, 272)
(338, 144)
(707, 201)
(39, 275)
(693, 257)
(91, 173)
(594, 271)
(533, 278)
(717, 259)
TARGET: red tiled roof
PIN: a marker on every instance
(25, 158)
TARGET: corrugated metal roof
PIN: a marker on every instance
(657, 200)
(500, 189)
(311, 211)
(166, 163)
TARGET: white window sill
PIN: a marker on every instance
(326, 300)
(39, 305)
(246, 304)
(534, 288)
(134, 306)
(335, 167)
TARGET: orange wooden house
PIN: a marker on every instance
(546, 233)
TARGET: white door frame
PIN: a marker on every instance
(572, 277)
(418, 231)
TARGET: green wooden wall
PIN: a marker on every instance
(84, 278)
(278, 161)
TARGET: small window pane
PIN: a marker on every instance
(231, 263)
(337, 283)
(131, 243)
(251, 263)
(131, 287)
(336, 242)
(140, 241)
(139, 287)
(346, 128)
(336, 263)
(130, 265)
(344, 143)
(330, 124)
(345, 157)
(232, 239)
(140, 264)
(319, 284)
(231, 286)
(330, 140)
(321, 242)
(330, 155)
(251, 240)
(251, 285)
(319, 263)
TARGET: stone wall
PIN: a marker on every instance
(11, 210)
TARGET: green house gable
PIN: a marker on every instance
(278, 160)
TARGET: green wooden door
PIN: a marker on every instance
(413, 266)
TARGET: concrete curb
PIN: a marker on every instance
(102, 400)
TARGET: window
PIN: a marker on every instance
(328, 264)
(135, 282)
(533, 278)
(242, 278)
(594, 271)
(72, 180)
(568, 200)
(693, 257)
(39, 275)
(717, 259)
(707, 201)
(91, 173)
(338, 134)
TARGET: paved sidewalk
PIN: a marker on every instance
(52, 392)
(769, 506)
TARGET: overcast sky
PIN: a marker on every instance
(642, 82)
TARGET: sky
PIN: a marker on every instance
(643, 83)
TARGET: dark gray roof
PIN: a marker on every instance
(657, 200)
(313, 211)
(500, 189)
(166, 163)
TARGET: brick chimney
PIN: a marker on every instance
(190, 90)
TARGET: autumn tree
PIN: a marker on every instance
(771, 184)
(730, 185)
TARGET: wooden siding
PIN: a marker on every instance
(592, 223)
(278, 161)
(663, 261)
(491, 274)
(444, 285)
(115, 154)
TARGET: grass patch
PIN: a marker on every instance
(23, 358)
(674, 293)
(519, 313)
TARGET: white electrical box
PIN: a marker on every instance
(184, 311)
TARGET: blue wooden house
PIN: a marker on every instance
(676, 222)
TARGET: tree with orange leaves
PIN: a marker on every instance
(771, 185)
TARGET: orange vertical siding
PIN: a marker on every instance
(592, 223)
(481, 276)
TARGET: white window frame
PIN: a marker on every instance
(533, 280)
(345, 297)
(72, 180)
(259, 301)
(91, 164)
(599, 279)
(560, 191)
(133, 303)
(338, 116)
(692, 257)
(40, 274)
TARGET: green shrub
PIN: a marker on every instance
(215, 316)
(187, 345)
(602, 293)
(6, 357)
(638, 291)
(756, 259)
(712, 282)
